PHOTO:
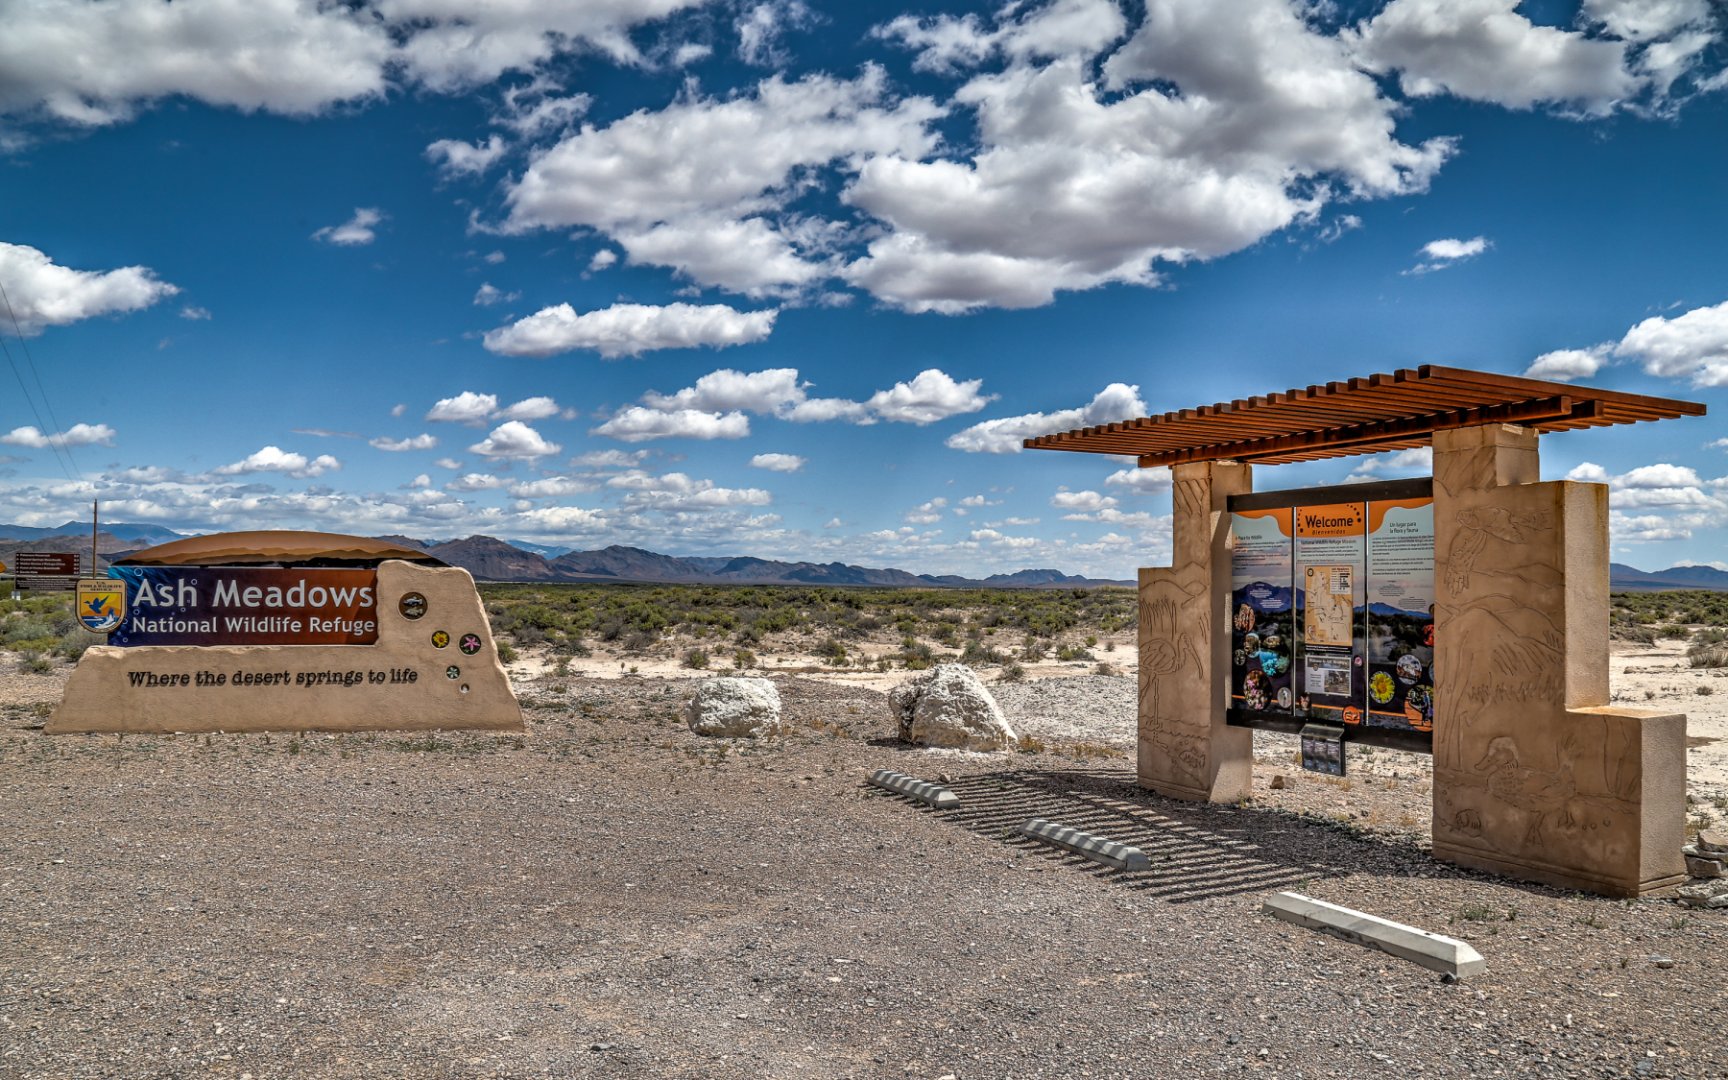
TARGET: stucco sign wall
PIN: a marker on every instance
(417, 654)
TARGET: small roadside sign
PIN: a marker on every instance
(46, 571)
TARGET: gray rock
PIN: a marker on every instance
(1712, 842)
(1704, 894)
(1703, 868)
(948, 706)
(734, 708)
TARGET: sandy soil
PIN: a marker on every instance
(608, 895)
(1117, 653)
(1658, 677)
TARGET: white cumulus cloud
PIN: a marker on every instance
(697, 186)
(1564, 365)
(727, 390)
(1692, 346)
(514, 439)
(932, 395)
(630, 329)
(551, 487)
(1140, 481)
(678, 491)
(76, 435)
(43, 293)
(360, 229)
(467, 407)
(534, 408)
(1086, 502)
(637, 424)
(456, 158)
(488, 294)
(1213, 126)
(784, 463)
(1114, 403)
(275, 459)
(414, 442)
(1486, 50)
(1449, 251)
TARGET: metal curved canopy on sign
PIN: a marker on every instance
(276, 547)
(1396, 411)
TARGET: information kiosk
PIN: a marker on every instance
(1464, 614)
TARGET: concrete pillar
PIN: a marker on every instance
(1187, 751)
(1535, 775)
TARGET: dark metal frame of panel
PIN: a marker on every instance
(1422, 487)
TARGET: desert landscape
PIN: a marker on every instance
(608, 894)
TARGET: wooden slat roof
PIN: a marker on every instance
(1362, 416)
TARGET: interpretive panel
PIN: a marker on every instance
(1401, 614)
(1329, 555)
(1262, 629)
(216, 605)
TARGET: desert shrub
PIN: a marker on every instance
(1640, 635)
(915, 655)
(1072, 652)
(1707, 656)
(73, 643)
(743, 658)
(831, 651)
(1033, 651)
(976, 652)
(695, 659)
(1673, 630)
(1012, 673)
(506, 654)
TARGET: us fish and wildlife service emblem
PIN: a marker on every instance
(101, 604)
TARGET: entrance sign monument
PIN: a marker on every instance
(286, 631)
(1466, 615)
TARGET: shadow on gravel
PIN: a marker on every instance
(1197, 852)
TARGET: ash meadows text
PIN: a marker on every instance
(228, 593)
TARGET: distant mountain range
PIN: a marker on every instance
(1623, 578)
(136, 535)
(491, 559)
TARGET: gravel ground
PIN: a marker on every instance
(611, 896)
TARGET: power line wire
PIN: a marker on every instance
(55, 436)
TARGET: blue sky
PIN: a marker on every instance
(792, 280)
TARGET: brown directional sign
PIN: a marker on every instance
(46, 571)
(45, 563)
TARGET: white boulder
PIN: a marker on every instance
(736, 708)
(948, 706)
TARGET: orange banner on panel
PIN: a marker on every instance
(1377, 509)
(1278, 515)
(1338, 519)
